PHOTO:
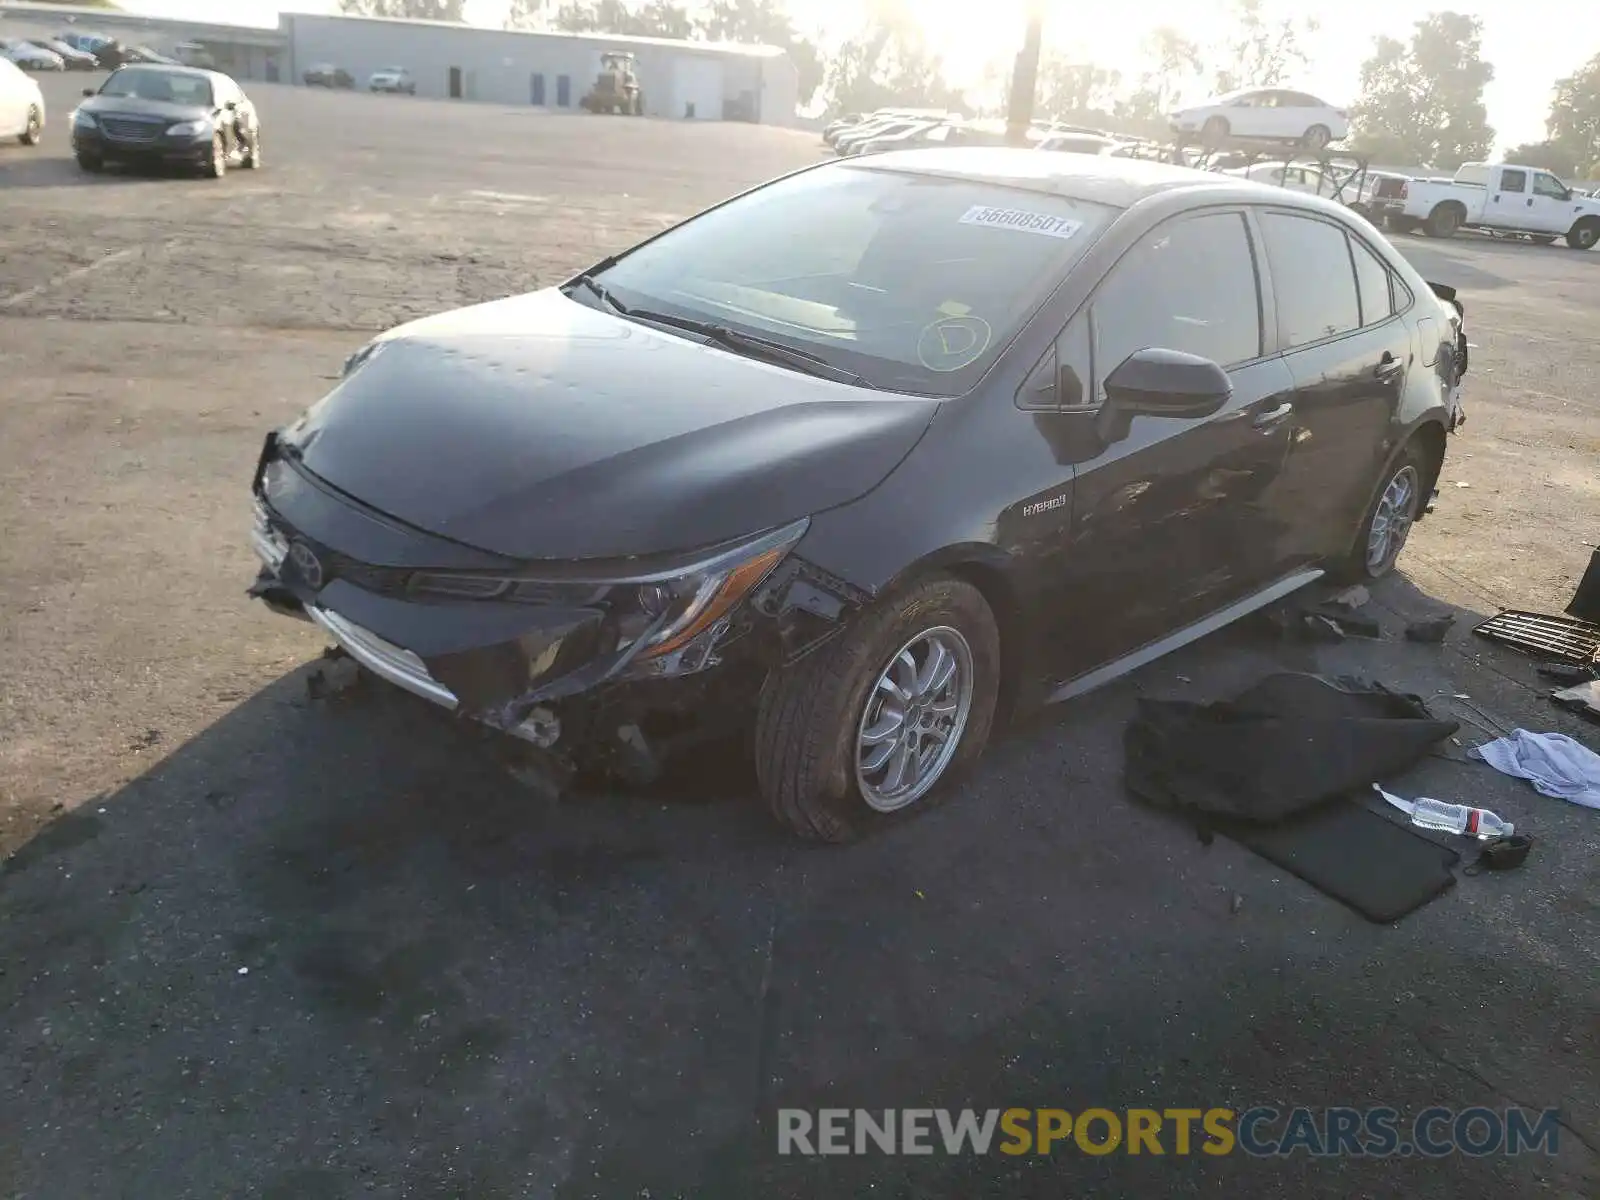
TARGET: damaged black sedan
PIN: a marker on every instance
(867, 459)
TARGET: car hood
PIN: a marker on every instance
(539, 428)
(134, 106)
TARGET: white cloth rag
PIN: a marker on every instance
(1554, 763)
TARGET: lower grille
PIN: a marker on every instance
(132, 129)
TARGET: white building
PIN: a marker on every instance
(699, 80)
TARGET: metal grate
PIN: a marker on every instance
(1560, 639)
(132, 129)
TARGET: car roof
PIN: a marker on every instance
(1120, 182)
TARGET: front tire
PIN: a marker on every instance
(217, 166)
(33, 131)
(859, 732)
(252, 156)
(1215, 131)
(1584, 235)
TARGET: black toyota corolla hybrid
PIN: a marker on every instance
(865, 458)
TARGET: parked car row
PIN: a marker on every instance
(76, 52)
(908, 129)
(385, 79)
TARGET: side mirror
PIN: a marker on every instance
(88, 91)
(1167, 383)
(232, 106)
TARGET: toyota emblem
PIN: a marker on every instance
(307, 564)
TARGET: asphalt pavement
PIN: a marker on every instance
(256, 944)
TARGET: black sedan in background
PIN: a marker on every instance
(867, 458)
(167, 115)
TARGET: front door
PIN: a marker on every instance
(1349, 351)
(1553, 206)
(536, 89)
(563, 91)
(1172, 519)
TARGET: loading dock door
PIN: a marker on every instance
(536, 88)
(455, 83)
(563, 91)
(697, 88)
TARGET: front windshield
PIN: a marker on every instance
(914, 282)
(144, 83)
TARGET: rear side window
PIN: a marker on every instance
(1189, 285)
(1513, 181)
(1372, 283)
(1312, 278)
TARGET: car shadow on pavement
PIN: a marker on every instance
(334, 937)
(56, 172)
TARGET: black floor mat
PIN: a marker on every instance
(1380, 869)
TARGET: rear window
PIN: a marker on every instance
(915, 282)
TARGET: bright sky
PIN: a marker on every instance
(1525, 41)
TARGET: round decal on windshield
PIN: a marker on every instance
(951, 343)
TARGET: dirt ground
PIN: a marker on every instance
(253, 945)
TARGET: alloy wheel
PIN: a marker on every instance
(1391, 523)
(914, 718)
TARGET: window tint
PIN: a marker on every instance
(1189, 285)
(1372, 280)
(1549, 185)
(1513, 181)
(1073, 358)
(1312, 278)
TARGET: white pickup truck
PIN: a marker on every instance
(1503, 198)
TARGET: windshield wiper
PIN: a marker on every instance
(754, 346)
(588, 280)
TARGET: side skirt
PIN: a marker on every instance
(1148, 653)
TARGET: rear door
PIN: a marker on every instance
(1510, 200)
(1170, 517)
(1343, 334)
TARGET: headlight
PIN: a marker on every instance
(188, 128)
(656, 614)
(86, 120)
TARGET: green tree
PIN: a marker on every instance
(422, 10)
(525, 14)
(658, 18)
(766, 23)
(888, 62)
(1574, 123)
(1422, 102)
(1173, 66)
(1074, 89)
(1548, 156)
(1260, 53)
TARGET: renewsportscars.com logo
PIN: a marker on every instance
(1260, 1132)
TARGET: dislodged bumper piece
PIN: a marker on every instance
(404, 669)
(481, 635)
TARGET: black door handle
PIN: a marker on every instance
(1388, 367)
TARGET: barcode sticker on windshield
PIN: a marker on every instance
(1017, 218)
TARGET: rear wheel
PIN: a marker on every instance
(1584, 234)
(34, 129)
(1317, 138)
(1444, 221)
(1389, 520)
(859, 732)
(1215, 131)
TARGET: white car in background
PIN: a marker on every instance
(392, 79)
(1079, 143)
(1297, 177)
(1264, 114)
(21, 105)
(34, 58)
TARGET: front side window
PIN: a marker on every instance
(914, 282)
(1550, 187)
(1189, 285)
(146, 84)
(1312, 278)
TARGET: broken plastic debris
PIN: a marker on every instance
(1462, 483)
(244, 970)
